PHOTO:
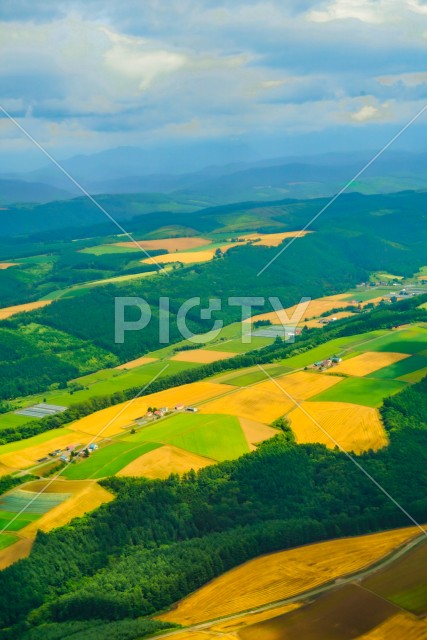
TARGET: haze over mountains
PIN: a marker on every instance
(135, 170)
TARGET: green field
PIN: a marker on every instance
(417, 376)
(370, 294)
(7, 539)
(402, 368)
(364, 391)
(237, 346)
(410, 341)
(108, 460)
(12, 420)
(19, 522)
(356, 344)
(104, 249)
(219, 437)
(245, 379)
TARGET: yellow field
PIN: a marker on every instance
(204, 356)
(17, 551)
(265, 402)
(368, 362)
(161, 462)
(397, 627)
(7, 265)
(7, 312)
(112, 420)
(29, 456)
(273, 239)
(87, 495)
(354, 427)
(189, 257)
(314, 309)
(168, 244)
(256, 432)
(282, 575)
(132, 364)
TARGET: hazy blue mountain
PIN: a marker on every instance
(21, 191)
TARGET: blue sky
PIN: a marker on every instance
(299, 75)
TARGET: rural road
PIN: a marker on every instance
(382, 563)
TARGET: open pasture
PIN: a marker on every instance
(400, 369)
(363, 391)
(237, 346)
(107, 461)
(368, 362)
(112, 420)
(285, 574)
(6, 539)
(217, 437)
(18, 499)
(411, 340)
(163, 461)
(202, 356)
(252, 375)
(265, 401)
(352, 426)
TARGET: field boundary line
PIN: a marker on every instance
(347, 453)
(84, 191)
(91, 441)
(346, 186)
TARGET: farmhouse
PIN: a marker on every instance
(179, 407)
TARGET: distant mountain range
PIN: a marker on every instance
(129, 170)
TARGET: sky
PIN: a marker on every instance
(280, 77)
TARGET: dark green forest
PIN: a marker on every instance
(159, 540)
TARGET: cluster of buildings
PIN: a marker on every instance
(160, 413)
(327, 364)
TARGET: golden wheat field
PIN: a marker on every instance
(8, 312)
(189, 257)
(7, 265)
(256, 432)
(312, 309)
(161, 462)
(202, 356)
(15, 552)
(112, 420)
(265, 401)
(86, 495)
(168, 244)
(273, 239)
(28, 457)
(368, 362)
(355, 427)
(282, 575)
(132, 364)
(398, 627)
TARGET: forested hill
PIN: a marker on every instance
(160, 540)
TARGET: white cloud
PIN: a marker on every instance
(414, 79)
(364, 10)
